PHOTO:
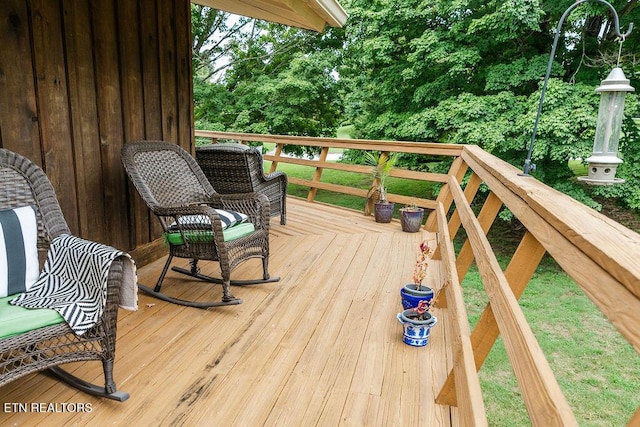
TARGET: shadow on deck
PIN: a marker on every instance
(321, 347)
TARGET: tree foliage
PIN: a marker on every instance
(214, 35)
(470, 72)
(454, 71)
(279, 80)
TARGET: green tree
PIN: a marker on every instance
(214, 34)
(278, 80)
(470, 72)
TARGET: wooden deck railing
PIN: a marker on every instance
(599, 254)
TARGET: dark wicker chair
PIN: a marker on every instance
(173, 186)
(22, 183)
(237, 168)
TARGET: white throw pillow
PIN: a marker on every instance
(19, 267)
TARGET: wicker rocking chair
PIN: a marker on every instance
(193, 217)
(32, 340)
(237, 168)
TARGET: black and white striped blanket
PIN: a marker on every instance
(74, 282)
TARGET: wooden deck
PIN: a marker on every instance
(320, 347)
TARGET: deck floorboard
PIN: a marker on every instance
(320, 347)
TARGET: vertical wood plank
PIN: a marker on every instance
(133, 110)
(151, 83)
(84, 118)
(184, 80)
(109, 104)
(150, 69)
(19, 130)
(168, 73)
(53, 106)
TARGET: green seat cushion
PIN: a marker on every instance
(232, 233)
(238, 231)
(16, 320)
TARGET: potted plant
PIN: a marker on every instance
(418, 321)
(381, 165)
(411, 218)
(415, 292)
(416, 324)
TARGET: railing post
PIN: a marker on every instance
(518, 274)
(277, 153)
(486, 218)
(469, 192)
(458, 169)
(317, 175)
(471, 407)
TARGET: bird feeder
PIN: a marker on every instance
(604, 161)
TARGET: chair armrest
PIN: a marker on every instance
(275, 175)
(109, 321)
(255, 205)
(170, 217)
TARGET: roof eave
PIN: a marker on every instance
(309, 14)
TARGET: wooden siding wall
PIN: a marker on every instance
(80, 77)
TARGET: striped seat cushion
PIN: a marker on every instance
(19, 267)
(228, 219)
(197, 228)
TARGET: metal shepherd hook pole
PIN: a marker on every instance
(528, 166)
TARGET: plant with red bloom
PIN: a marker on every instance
(422, 264)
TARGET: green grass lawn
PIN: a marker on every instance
(578, 167)
(596, 368)
(401, 186)
(345, 131)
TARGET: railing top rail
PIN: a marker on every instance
(598, 253)
(604, 240)
(431, 148)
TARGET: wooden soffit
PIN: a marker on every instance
(310, 14)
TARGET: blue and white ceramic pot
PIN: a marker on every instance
(416, 332)
(411, 296)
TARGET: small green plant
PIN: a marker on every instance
(411, 207)
(381, 165)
